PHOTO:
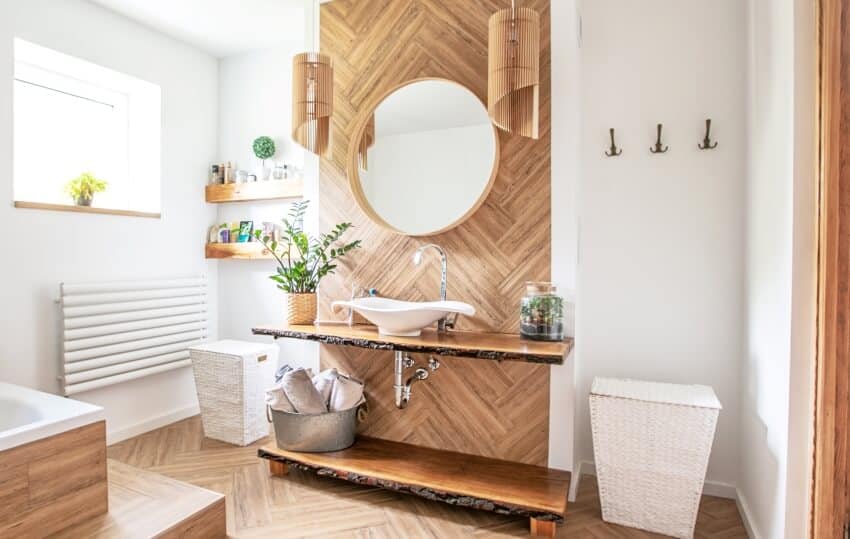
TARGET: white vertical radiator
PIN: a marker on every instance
(113, 332)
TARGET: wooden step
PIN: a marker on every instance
(146, 504)
(504, 487)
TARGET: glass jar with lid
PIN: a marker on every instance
(541, 315)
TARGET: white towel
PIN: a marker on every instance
(276, 399)
(346, 394)
(324, 382)
(301, 392)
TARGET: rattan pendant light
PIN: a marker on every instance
(312, 101)
(513, 90)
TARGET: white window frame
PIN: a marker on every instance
(136, 102)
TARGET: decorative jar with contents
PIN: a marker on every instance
(541, 315)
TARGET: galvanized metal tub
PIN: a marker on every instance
(316, 433)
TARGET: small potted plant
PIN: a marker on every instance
(302, 261)
(83, 188)
(264, 148)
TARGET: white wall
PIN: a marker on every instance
(254, 100)
(44, 248)
(776, 374)
(566, 166)
(660, 269)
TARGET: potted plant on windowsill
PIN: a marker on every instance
(83, 188)
(303, 261)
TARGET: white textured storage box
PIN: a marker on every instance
(651, 443)
(231, 378)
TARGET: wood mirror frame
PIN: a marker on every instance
(353, 168)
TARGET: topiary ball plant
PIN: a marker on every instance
(264, 148)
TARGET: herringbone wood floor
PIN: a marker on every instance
(303, 505)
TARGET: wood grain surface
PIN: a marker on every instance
(310, 506)
(52, 483)
(492, 409)
(258, 190)
(146, 504)
(470, 344)
(244, 251)
(494, 485)
(831, 492)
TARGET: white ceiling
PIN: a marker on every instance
(218, 27)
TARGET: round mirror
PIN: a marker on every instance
(425, 158)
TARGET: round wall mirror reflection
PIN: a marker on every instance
(425, 158)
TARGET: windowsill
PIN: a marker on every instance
(84, 209)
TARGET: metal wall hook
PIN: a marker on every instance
(613, 151)
(659, 148)
(706, 142)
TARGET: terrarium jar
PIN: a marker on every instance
(542, 312)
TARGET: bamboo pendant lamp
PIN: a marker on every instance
(366, 142)
(312, 100)
(513, 89)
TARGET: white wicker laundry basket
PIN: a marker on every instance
(651, 443)
(231, 378)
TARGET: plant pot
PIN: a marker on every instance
(301, 309)
(84, 201)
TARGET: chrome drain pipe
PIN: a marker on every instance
(401, 388)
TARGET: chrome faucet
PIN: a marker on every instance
(358, 291)
(444, 323)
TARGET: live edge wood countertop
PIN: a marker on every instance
(492, 346)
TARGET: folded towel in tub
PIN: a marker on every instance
(324, 383)
(276, 400)
(299, 389)
(346, 394)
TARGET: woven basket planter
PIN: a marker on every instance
(301, 309)
(651, 444)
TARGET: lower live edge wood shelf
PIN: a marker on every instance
(500, 486)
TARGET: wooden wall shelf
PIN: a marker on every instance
(501, 486)
(494, 346)
(260, 190)
(243, 251)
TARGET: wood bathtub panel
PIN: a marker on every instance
(492, 409)
(76, 468)
(13, 491)
(53, 483)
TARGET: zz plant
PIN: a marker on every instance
(303, 260)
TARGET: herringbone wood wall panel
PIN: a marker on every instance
(474, 406)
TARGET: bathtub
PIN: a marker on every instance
(27, 415)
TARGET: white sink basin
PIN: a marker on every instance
(403, 318)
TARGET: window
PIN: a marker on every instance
(72, 117)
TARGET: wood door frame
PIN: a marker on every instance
(832, 399)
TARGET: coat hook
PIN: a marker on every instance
(613, 151)
(706, 142)
(658, 146)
